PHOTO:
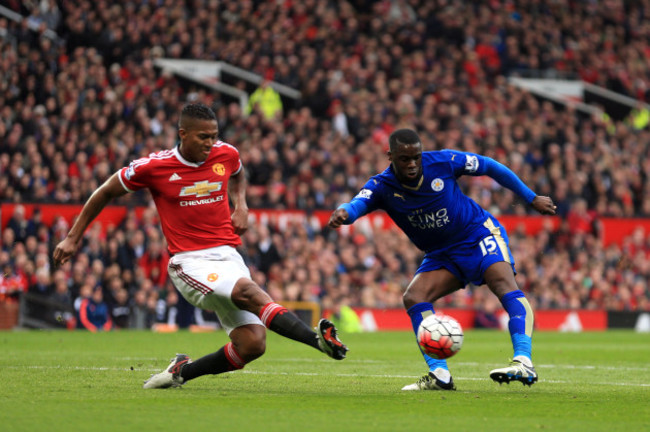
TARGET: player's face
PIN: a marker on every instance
(407, 161)
(197, 138)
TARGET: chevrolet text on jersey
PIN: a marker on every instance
(201, 202)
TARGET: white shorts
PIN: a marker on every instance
(206, 279)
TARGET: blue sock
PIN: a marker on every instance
(521, 322)
(417, 313)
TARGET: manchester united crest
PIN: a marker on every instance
(219, 169)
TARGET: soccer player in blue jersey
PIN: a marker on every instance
(462, 242)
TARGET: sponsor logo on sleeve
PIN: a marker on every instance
(129, 172)
(364, 193)
(471, 163)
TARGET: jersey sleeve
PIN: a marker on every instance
(466, 163)
(477, 165)
(238, 167)
(235, 162)
(134, 177)
(364, 202)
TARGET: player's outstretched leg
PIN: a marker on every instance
(439, 377)
(278, 319)
(170, 376)
(182, 368)
(520, 326)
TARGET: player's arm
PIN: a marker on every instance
(507, 178)
(347, 213)
(111, 189)
(237, 192)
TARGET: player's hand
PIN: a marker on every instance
(544, 205)
(63, 251)
(337, 218)
(239, 219)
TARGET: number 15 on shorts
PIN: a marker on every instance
(489, 246)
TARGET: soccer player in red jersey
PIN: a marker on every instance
(190, 185)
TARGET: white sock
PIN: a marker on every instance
(443, 375)
(526, 361)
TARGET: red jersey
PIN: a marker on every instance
(191, 198)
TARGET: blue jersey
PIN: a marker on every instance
(434, 213)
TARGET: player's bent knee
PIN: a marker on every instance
(249, 341)
(502, 286)
(253, 350)
(413, 297)
(407, 300)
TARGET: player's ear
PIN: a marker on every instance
(389, 155)
(182, 133)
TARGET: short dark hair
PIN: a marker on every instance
(196, 111)
(402, 137)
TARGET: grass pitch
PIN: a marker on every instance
(77, 381)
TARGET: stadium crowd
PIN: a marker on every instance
(75, 108)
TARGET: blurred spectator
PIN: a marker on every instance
(62, 308)
(154, 262)
(12, 283)
(120, 310)
(85, 292)
(21, 226)
(167, 308)
(486, 316)
(343, 316)
(94, 314)
(42, 284)
(267, 100)
(267, 250)
(143, 311)
(581, 220)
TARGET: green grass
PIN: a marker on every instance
(77, 381)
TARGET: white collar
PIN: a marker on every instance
(184, 161)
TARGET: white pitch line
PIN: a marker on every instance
(252, 372)
(415, 377)
(453, 364)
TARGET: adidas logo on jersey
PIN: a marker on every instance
(174, 177)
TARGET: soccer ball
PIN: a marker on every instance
(440, 336)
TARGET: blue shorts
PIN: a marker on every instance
(469, 259)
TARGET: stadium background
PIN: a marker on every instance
(81, 96)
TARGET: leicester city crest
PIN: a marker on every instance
(437, 184)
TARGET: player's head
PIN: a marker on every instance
(198, 130)
(405, 154)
